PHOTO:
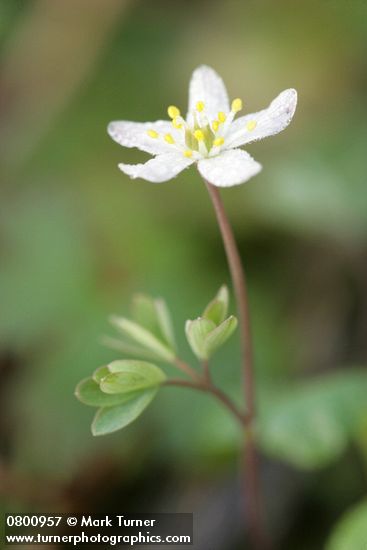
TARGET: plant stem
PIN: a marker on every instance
(254, 501)
(240, 288)
(206, 371)
(208, 387)
(184, 367)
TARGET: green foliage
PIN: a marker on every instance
(111, 419)
(149, 335)
(129, 349)
(153, 314)
(132, 376)
(217, 337)
(123, 389)
(147, 340)
(309, 425)
(208, 333)
(350, 533)
(89, 393)
(196, 333)
(217, 309)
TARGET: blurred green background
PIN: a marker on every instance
(77, 238)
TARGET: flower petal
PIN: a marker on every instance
(207, 86)
(135, 134)
(160, 168)
(229, 168)
(264, 123)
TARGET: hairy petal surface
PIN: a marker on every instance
(207, 86)
(264, 123)
(229, 168)
(161, 168)
(135, 134)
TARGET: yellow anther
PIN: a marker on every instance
(251, 125)
(200, 106)
(236, 105)
(153, 134)
(173, 111)
(215, 125)
(188, 153)
(169, 139)
(218, 142)
(221, 117)
(199, 135)
(176, 122)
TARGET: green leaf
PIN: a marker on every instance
(303, 433)
(101, 372)
(217, 309)
(220, 335)
(89, 393)
(130, 349)
(350, 533)
(143, 337)
(309, 425)
(153, 315)
(131, 376)
(111, 419)
(144, 313)
(165, 322)
(196, 333)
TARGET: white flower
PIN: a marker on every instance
(209, 136)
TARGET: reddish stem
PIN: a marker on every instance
(208, 387)
(251, 470)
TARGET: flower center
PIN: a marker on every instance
(199, 136)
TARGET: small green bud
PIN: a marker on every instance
(205, 337)
(217, 309)
(220, 335)
(196, 333)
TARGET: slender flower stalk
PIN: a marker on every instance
(254, 499)
(240, 288)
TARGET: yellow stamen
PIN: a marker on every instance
(251, 125)
(236, 105)
(218, 142)
(188, 153)
(169, 139)
(215, 125)
(153, 134)
(176, 122)
(173, 111)
(221, 117)
(200, 106)
(199, 135)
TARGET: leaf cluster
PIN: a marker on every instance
(124, 388)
